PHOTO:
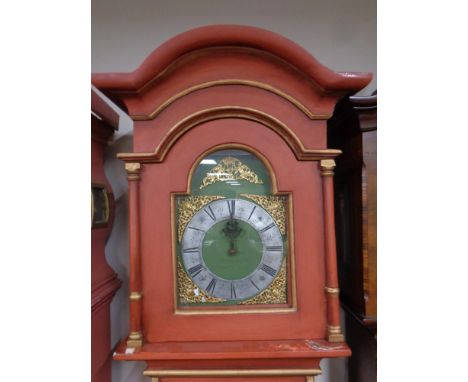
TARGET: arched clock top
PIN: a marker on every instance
(209, 37)
(229, 71)
(226, 58)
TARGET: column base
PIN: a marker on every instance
(135, 340)
(334, 334)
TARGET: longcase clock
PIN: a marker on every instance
(232, 240)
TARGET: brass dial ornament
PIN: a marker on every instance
(229, 169)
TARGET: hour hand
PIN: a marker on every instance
(232, 230)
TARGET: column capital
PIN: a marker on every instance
(326, 167)
(133, 170)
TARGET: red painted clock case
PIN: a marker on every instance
(302, 179)
(230, 85)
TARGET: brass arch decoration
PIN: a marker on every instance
(230, 168)
(222, 112)
(206, 85)
(235, 146)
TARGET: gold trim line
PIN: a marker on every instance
(232, 373)
(227, 82)
(333, 291)
(135, 296)
(187, 312)
(210, 114)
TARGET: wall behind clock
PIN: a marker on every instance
(341, 34)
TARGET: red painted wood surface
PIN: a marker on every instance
(104, 281)
(135, 260)
(333, 312)
(225, 85)
(302, 178)
(211, 350)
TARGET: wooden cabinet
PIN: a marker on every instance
(353, 129)
(230, 152)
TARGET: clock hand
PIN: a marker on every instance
(232, 230)
(232, 250)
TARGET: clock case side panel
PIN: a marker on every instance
(160, 321)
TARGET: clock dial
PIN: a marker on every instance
(232, 249)
(231, 237)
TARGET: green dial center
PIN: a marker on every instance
(227, 263)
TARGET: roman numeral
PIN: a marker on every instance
(231, 207)
(271, 225)
(267, 269)
(233, 292)
(253, 209)
(274, 248)
(196, 229)
(190, 250)
(211, 286)
(255, 285)
(210, 213)
(195, 270)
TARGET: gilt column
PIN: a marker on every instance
(135, 336)
(332, 291)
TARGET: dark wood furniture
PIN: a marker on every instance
(353, 129)
(231, 88)
(104, 281)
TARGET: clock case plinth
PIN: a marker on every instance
(289, 358)
(231, 87)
